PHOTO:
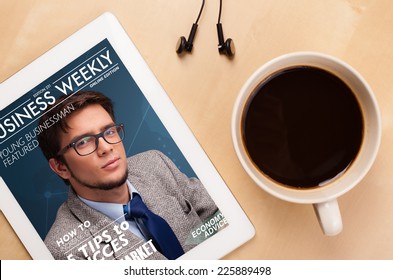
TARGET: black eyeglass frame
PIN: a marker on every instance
(119, 128)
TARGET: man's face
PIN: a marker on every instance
(105, 168)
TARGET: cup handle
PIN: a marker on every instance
(329, 217)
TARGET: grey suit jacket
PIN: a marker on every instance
(81, 232)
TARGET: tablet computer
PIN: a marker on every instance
(53, 218)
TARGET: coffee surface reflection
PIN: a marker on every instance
(302, 127)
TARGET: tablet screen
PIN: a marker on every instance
(67, 157)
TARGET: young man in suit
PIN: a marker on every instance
(83, 145)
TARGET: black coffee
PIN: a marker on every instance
(302, 127)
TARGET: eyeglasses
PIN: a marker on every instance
(89, 143)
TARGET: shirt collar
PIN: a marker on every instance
(112, 210)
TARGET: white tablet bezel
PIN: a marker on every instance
(107, 27)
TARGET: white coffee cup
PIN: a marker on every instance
(324, 199)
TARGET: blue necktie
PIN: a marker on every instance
(154, 227)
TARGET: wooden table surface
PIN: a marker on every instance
(204, 85)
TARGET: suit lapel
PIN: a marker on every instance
(106, 237)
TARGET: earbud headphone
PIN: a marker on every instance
(226, 47)
(186, 45)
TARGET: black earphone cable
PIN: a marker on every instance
(219, 13)
(200, 11)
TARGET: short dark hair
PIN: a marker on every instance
(49, 140)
